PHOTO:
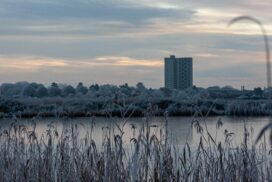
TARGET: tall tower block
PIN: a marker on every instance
(178, 72)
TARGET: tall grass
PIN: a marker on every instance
(65, 156)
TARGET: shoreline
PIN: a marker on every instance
(81, 115)
(79, 107)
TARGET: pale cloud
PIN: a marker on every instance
(30, 63)
(206, 55)
(215, 21)
(35, 64)
(126, 61)
(207, 14)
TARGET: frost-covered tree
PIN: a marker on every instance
(18, 88)
(29, 91)
(68, 90)
(228, 87)
(42, 91)
(35, 85)
(158, 94)
(215, 88)
(11, 90)
(94, 88)
(192, 91)
(268, 93)
(81, 89)
(258, 91)
(181, 96)
(202, 94)
(7, 89)
(54, 90)
(105, 91)
(125, 89)
(140, 86)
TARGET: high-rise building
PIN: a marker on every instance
(178, 72)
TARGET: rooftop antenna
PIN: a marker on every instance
(266, 42)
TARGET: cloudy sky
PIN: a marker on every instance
(125, 41)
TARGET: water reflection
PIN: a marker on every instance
(180, 129)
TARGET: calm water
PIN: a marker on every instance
(180, 129)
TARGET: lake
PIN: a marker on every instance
(180, 129)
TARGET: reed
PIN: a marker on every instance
(65, 156)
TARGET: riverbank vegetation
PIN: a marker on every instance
(31, 99)
(53, 155)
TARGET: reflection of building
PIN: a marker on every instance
(178, 72)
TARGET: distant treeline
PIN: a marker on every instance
(31, 99)
(37, 90)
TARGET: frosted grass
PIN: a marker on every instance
(64, 156)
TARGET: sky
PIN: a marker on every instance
(125, 41)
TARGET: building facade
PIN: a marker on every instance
(178, 72)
